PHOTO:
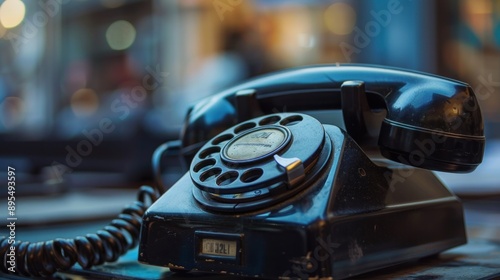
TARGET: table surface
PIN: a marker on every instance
(478, 259)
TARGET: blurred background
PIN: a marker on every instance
(89, 88)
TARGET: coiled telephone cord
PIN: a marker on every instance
(41, 259)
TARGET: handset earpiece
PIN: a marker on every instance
(436, 125)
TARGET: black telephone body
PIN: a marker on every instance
(280, 195)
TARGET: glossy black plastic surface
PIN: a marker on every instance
(354, 108)
(418, 105)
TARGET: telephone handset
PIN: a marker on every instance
(272, 194)
(419, 107)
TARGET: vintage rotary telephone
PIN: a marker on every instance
(281, 195)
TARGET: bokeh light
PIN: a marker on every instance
(307, 41)
(84, 102)
(120, 35)
(340, 18)
(12, 13)
(481, 7)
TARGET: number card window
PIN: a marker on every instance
(218, 247)
(225, 247)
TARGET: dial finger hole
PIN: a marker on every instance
(244, 127)
(222, 138)
(210, 174)
(204, 165)
(209, 152)
(270, 120)
(227, 178)
(251, 175)
(292, 120)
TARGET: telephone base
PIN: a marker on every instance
(338, 246)
(342, 225)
